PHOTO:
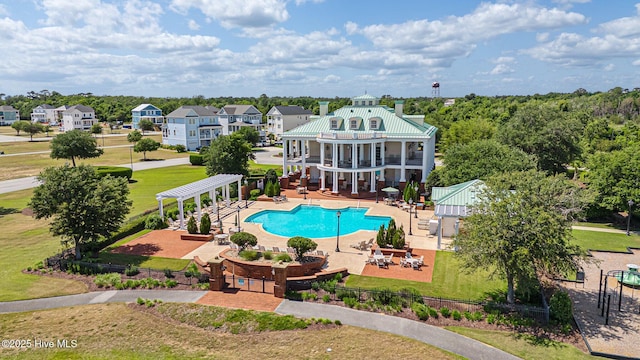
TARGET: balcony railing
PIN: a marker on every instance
(349, 136)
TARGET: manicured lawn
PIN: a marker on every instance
(265, 167)
(523, 345)
(595, 240)
(25, 241)
(153, 262)
(448, 281)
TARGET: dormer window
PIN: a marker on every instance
(375, 123)
(334, 124)
(353, 124)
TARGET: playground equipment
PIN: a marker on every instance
(630, 278)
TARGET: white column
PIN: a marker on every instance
(341, 160)
(240, 190)
(354, 155)
(372, 154)
(335, 182)
(372, 181)
(322, 154)
(227, 198)
(304, 160)
(285, 170)
(403, 161)
(334, 156)
(425, 157)
(354, 183)
(323, 186)
(198, 210)
(439, 231)
(160, 208)
(181, 210)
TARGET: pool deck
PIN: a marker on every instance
(352, 259)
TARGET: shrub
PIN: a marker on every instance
(244, 239)
(192, 271)
(192, 226)
(398, 239)
(491, 318)
(181, 148)
(420, 310)
(445, 312)
(344, 293)
(432, 312)
(105, 280)
(560, 307)
(284, 257)
(115, 171)
(468, 315)
(168, 273)
(301, 245)
(338, 277)
(315, 285)
(326, 298)
(338, 322)
(173, 214)
(253, 194)
(477, 316)
(205, 224)
(140, 301)
(293, 295)
(456, 315)
(170, 283)
(249, 255)
(155, 222)
(131, 270)
(350, 301)
(196, 159)
(267, 255)
(271, 176)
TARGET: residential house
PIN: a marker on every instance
(285, 118)
(192, 126)
(363, 146)
(234, 117)
(44, 114)
(78, 117)
(8, 115)
(451, 206)
(149, 112)
(58, 114)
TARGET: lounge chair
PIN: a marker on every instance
(320, 253)
(362, 245)
(368, 245)
(261, 248)
(276, 249)
(291, 250)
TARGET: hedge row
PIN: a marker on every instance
(196, 159)
(115, 171)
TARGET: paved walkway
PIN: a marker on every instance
(428, 334)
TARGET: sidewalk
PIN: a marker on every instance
(427, 334)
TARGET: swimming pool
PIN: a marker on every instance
(316, 222)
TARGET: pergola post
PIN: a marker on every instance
(198, 209)
(181, 209)
(160, 209)
(439, 231)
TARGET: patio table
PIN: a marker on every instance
(221, 238)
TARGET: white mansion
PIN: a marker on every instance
(356, 144)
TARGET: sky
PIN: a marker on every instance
(318, 48)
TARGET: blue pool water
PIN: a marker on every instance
(316, 222)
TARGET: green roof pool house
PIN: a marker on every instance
(451, 204)
(355, 145)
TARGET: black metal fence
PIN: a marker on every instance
(539, 314)
(248, 284)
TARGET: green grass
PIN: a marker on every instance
(153, 262)
(127, 239)
(596, 240)
(265, 167)
(25, 241)
(448, 281)
(524, 346)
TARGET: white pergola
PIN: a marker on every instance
(195, 189)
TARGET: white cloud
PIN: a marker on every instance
(504, 60)
(609, 67)
(501, 69)
(237, 13)
(301, 2)
(541, 37)
(193, 25)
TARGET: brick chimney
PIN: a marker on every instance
(324, 108)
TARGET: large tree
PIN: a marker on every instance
(82, 205)
(32, 128)
(521, 228)
(74, 144)
(481, 159)
(19, 126)
(146, 144)
(250, 134)
(228, 155)
(544, 131)
(146, 125)
(134, 136)
(615, 177)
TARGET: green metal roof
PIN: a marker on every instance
(459, 194)
(391, 125)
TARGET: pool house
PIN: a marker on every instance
(362, 147)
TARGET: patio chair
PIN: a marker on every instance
(378, 252)
(320, 252)
(276, 249)
(389, 260)
(382, 263)
(291, 250)
(369, 244)
(421, 261)
(261, 248)
(360, 246)
(403, 262)
(371, 260)
(415, 265)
